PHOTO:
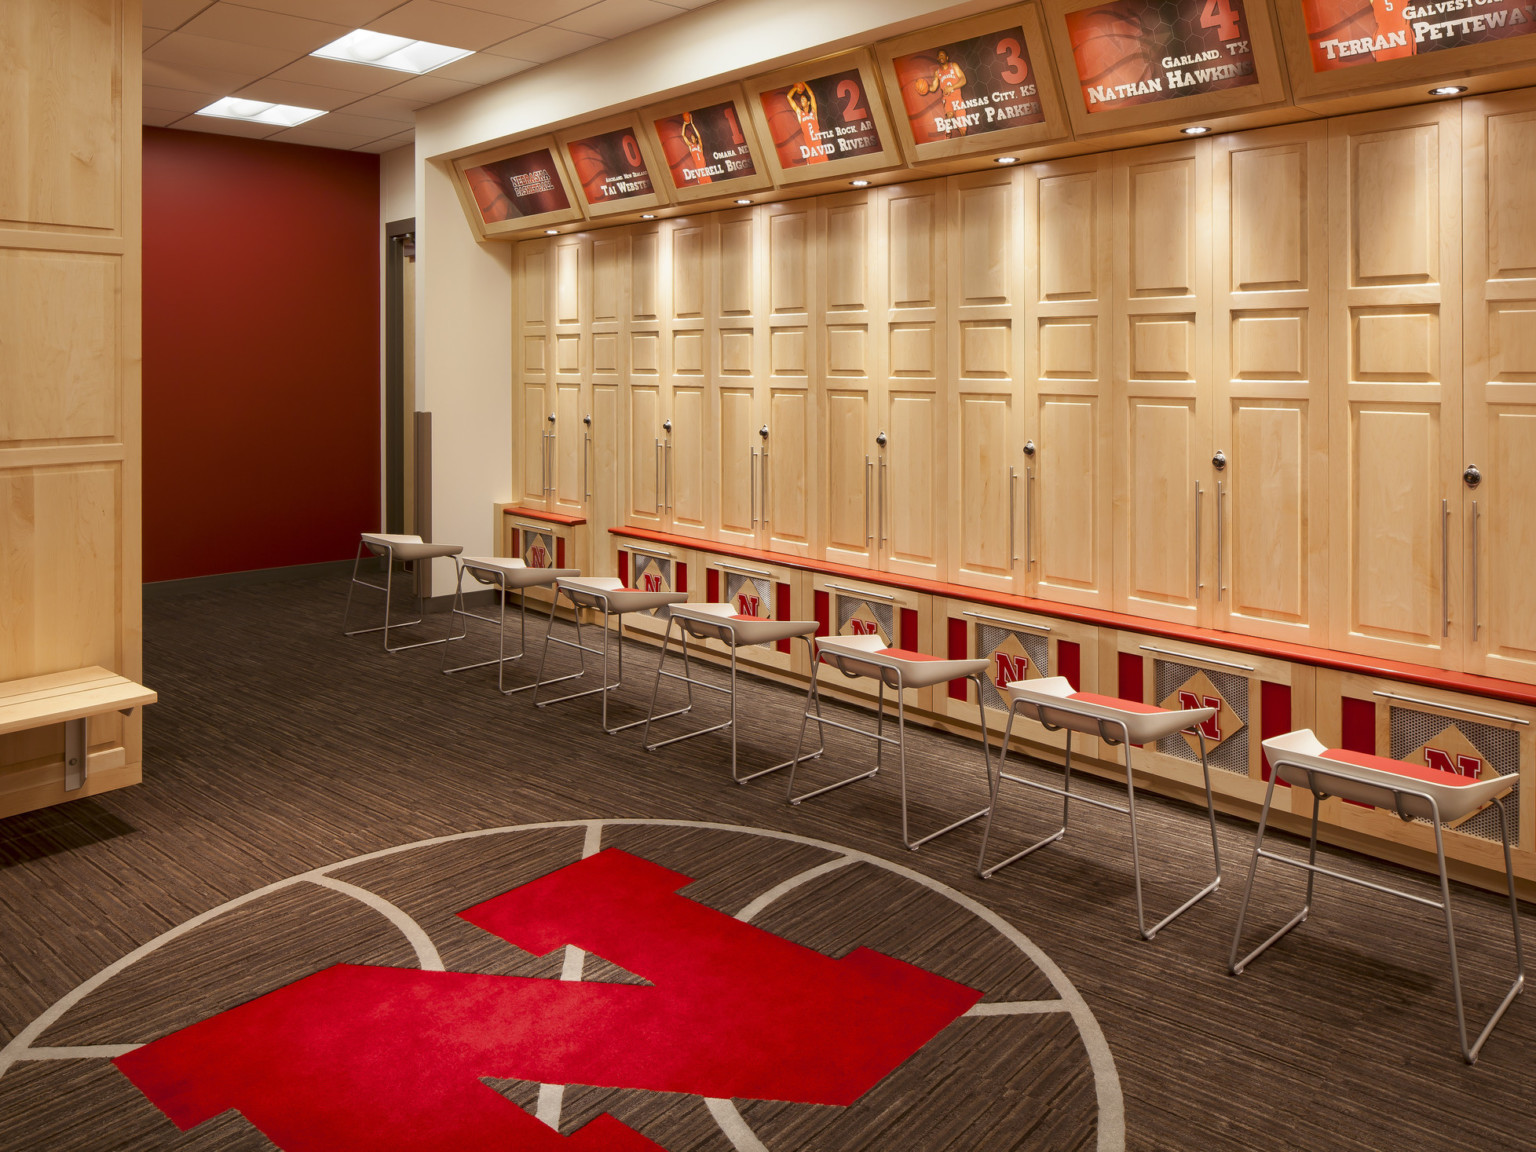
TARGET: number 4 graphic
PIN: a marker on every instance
(1220, 14)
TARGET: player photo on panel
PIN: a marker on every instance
(969, 88)
(526, 185)
(610, 166)
(1344, 33)
(705, 146)
(1135, 52)
(816, 121)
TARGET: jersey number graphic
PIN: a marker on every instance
(853, 110)
(361, 1056)
(1018, 68)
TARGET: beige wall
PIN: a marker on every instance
(465, 303)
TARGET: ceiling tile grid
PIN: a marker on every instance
(196, 51)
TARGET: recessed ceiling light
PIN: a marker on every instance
(381, 51)
(647, 215)
(1006, 160)
(260, 111)
(859, 183)
(1448, 90)
(743, 200)
(551, 231)
(1195, 130)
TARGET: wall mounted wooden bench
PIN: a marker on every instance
(71, 699)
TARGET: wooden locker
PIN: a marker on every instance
(849, 392)
(1270, 403)
(788, 477)
(601, 421)
(1164, 551)
(1499, 262)
(1395, 402)
(1067, 488)
(642, 399)
(533, 388)
(737, 371)
(911, 500)
(570, 395)
(986, 321)
(687, 442)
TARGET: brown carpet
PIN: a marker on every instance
(279, 747)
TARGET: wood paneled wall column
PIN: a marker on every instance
(69, 373)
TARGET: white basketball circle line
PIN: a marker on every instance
(1111, 1103)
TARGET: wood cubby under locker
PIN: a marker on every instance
(1255, 697)
(1018, 646)
(1471, 736)
(768, 591)
(901, 618)
(538, 544)
(655, 568)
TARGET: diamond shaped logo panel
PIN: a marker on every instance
(1199, 692)
(653, 574)
(1466, 747)
(538, 549)
(1012, 656)
(1449, 751)
(862, 618)
(750, 597)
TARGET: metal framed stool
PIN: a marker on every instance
(899, 669)
(724, 623)
(607, 595)
(389, 548)
(1052, 701)
(1414, 792)
(505, 575)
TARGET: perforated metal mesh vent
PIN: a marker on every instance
(538, 549)
(1500, 747)
(883, 613)
(658, 567)
(743, 590)
(1231, 755)
(989, 636)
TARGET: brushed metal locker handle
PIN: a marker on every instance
(1013, 515)
(670, 504)
(658, 477)
(868, 537)
(1220, 536)
(1445, 567)
(1199, 585)
(754, 487)
(586, 458)
(765, 483)
(1029, 517)
(884, 478)
(1476, 515)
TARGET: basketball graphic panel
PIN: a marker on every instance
(1347, 33)
(526, 185)
(705, 145)
(970, 87)
(610, 166)
(820, 119)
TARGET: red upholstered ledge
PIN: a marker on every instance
(1397, 767)
(1488, 687)
(547, 517)
(1113, 702)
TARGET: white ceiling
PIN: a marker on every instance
(196, 51)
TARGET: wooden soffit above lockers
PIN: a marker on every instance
(1028, 82)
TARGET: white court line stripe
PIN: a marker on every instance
(427, 958)
(80, 1052)
(787, 886)
(1018, 1007)
(1106, 1079)
(552, 1096)
(742, 1138)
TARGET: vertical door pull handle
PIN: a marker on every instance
(1199, 585)
(1220, 536)
(1013, 516)
(658, 477)
(1475, 517)
(868, 536)
(765, 483)
(884, 538)
(754, 487)
(1029, 517)
(1445, 567)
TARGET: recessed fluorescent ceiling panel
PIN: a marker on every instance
(234, 108)
(381, 51)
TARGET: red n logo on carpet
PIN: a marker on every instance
(391, 1058)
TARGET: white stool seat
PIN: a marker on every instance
(1054, 702)
(511, 572)
(619, 598)
(869, 656)
(1379, 781)
(1413, 791)
(408, 547)
(724, 623)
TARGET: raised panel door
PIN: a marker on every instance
(1066, 500)
(739, 379)
(686, 432)
(1164, 478)
(642, 399)
(1395, 435)
(985, 320)
(790, 349)
(1499, 254)
(1270, 408)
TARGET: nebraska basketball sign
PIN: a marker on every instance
(659, 996)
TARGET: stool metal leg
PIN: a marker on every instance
(986, 758)
(502, 659)
(388, 556)
(1130, 788)
(1234, 965)
(814, 696)
(550, 637)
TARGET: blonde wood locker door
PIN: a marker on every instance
(849, 387)
(1067, 488)
(737, 368)
(788, 474)
(911, 495)
(600, 419)
(641, 398)
(687, 437)
(534, 439)
(986, 363)
(605, 506)
(1270, 408)
(1500, 383)
(1164, 479)
(533, 368)
(1395, 404)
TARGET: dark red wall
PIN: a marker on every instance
(261, 353)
